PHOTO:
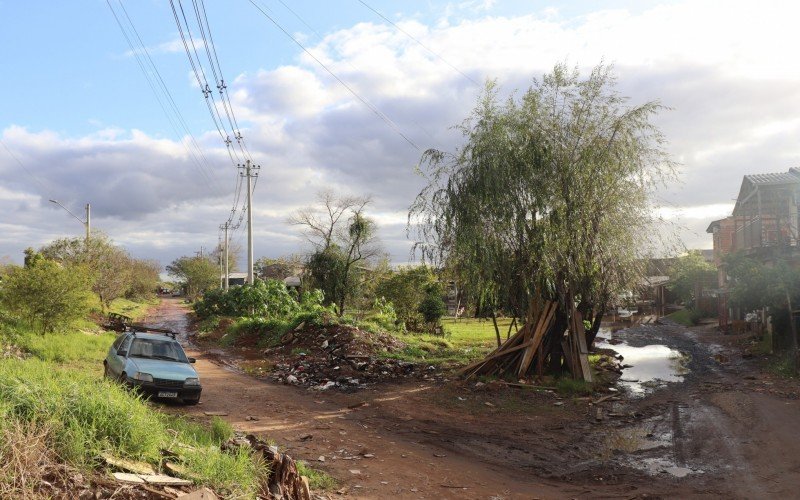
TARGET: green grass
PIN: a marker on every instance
(464, 341)
(59, 390)
(684, 317)
(318, 480)
(571, 387)
(134, 309)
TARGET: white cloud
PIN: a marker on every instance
(724, 69)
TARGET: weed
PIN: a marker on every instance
(318, 480)
(572, 387)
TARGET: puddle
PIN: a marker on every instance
(663, 466)
(647, 447)
(651, 366)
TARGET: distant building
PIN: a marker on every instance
(764, 223)
(236, 279)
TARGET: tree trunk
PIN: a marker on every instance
(591, 333)
(496, 329)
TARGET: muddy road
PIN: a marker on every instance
(725, 430)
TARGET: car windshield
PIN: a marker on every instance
(157, 349)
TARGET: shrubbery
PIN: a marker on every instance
(266, 309)
(266, 299)
(47, 295)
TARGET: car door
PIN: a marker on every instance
(116, 363)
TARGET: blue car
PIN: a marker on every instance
(154, 364)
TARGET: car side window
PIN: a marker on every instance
(118, 342)
(126, 344)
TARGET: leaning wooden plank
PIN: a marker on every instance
(499, 350)
(543, 326)
(579, 335)
(503, 353)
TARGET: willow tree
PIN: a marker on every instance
(549, 195)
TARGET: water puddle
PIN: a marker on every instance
(648, 447)
(648, 367)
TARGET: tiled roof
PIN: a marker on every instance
(774, 178)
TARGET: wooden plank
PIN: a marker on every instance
(507, 351)
(545, 321)
(579, 335)
(127, 465)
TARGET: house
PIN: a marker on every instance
(236, 279)
(764, 219)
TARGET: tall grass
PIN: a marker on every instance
(58, 393)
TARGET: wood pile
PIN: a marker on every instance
(527, 351)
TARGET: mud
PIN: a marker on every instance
(726, 430)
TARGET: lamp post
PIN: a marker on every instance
(86, 223)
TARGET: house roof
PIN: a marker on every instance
(757, 182)
(790, 177)
(714, 224)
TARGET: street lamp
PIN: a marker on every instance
(86, 223)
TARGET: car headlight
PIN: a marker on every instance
(192, 381)
(143, 377)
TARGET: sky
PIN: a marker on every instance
(82, 122)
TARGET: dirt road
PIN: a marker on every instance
(726, 430)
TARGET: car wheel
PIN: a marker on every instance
(123, 378)
(106, 373)
(191, 402)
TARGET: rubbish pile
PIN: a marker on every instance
(339, 357)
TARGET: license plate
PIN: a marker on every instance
(167, 394)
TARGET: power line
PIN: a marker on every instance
(363, 100)
(30, 174)
(220, 79)
(398, 28)
(196, 155)
(199, 72)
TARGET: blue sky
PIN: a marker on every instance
(78, 113)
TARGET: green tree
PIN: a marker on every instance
(755, 285)
(109, 264)
(196, 274)
(345, 243)
(47, 295)
(405, 289)
(688, 274)
(144, 278)
(432, 306)
(549, 196)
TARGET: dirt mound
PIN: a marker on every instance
(338, 357)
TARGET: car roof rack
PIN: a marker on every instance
(138, 327)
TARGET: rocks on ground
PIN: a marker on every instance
(340, 357)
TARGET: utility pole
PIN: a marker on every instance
(88, 221)
(248, 172)
(226, 272)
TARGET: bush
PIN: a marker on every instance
(432, 306)
(269, 299)
(46, 295)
